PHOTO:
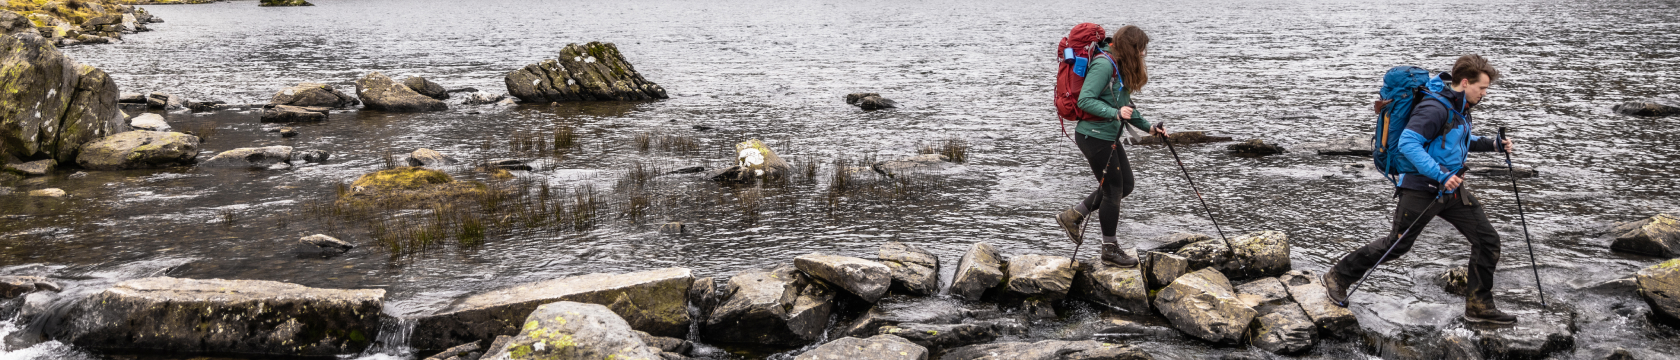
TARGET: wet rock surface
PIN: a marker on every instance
(780, 307)
(942, 336)
(914, 270)
(866, 279)
(884, 347)
(139, 150)
(1307, 289)
(327, 243)
(590, 72)
(907, 309)
(1116, 287)
(1263, 291)
(429, 158)
(313, 95)
(1649, 107)
(1660, 286)
(223, 316)
(33, 168)
(572, 330)
(1656, 236)
(1203, 304)
(1254, 147)
(53, 105)
(292, 114)
(1258, 254)
(654, 301)
(1040, 277)
(266, 157)
(149, 122)
(979, 270)
(15, 286)
(1455, 281)
(379, 92)
(1046, 350)
(923, 162)
(426, 87)
(870, 101)
(1162, 268)
(1282, 329)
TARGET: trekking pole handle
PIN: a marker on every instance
(1500, 144)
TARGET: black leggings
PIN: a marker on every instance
(1116, 182)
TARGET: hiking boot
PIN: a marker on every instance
(1069, 221)
(1112, 254)
(1486, 313)
(1335, 289)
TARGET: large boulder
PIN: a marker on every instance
(866, 279)
(1116, 287)
(779, 307)
(572, 330)
(1203, 304)
(139, 150)
(257, 157)
(878, 347)
(1660, 286)
(1046, 350)
(1649, 107)
(590, 72)
(979, 270)
(312, 95)
(426, 87)
(1307, 289)
(379, 92)
(654, 301)
(1656, 236)
(1282, 329)
(51, 105)
(223, 316)
(914, 269)
(1039, 277)
(1258, 254)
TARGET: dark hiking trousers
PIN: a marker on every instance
(1116, 181)
(1463, 211)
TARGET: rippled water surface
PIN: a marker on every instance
(1288, 72)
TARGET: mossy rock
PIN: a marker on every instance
(405, 178)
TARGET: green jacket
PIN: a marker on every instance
(1098, 97)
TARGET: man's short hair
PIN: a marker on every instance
(1471, 67)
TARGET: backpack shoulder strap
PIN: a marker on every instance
(1116, 65)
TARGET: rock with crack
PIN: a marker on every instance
(979, 271)
(1258, 254)
(1120, 288)
(1307, 289)
(1263, 292)
(868, 280)
(1282, 329)
(258, 318)
(881, 347)
(1039, 277)
(573, 330)
(590, 72)
(780, 307)
(914, 269)
(1160, 269)
(1203, 304)
(379, 92)
(52, 106)
(654, 301)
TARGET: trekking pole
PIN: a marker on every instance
(1384, 257)
(1533, 262)
(1101, 180)
(1165, 140)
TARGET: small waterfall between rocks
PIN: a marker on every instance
(392, 341)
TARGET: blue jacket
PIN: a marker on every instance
(1437, 138)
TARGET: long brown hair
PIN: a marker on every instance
(1127, 49)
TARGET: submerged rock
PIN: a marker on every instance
(572, 330)
(590, 72)
(942, 336)
(327, 243)
(923, 162)
(1112, 286)
(979, 270)
(15, 286)
(903, 310)
(1455, 281)
(52, 105)
(289, 114)
(33, 168)
(870, 101)
(139, 150)
(779, 307)
(1660, 286)
(379, 92)
(1282, 329)
(654, 301)
(1046, 350)
(482, 98)
(1203, 305)
(313, 95)
(426, 87)
(258, 157)
(1255, 147)
(1498, 168)
(866, 279)
(1360, 146)
(1649, 107)
(1656, 236)
(1181, 137)
(1307, 289)
(914, 269)
(48, 192)
(881, 347)
(251, 317)
(429, 158)
(1539, 333)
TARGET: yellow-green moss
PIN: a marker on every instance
(406, 178)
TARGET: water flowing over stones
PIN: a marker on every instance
(54, 105)
(590, 72)
(882, 347)
(15, 286)
(139, 150)
(904, 310)
(780, 306)
(379, 92)
(1046, 350)
(914, 269)
(1203, 304)
(223, 316)
(979, 270)
(943, 336)
(866, 279)
(654, 301)
(1656, 236)
(313, 95)
(571, 330)
(258, 157)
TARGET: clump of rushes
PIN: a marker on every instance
(643, 140)
(564, 138)
(955, 150)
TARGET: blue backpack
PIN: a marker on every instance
(1403, 87)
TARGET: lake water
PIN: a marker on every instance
(1287, 72)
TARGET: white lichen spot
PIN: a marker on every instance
(535, 82)
(539, 346)
(51, 92)
(577, 58)
(751, 157)
(571, 82)
(589, 59)
(289, 92)
(759, 172)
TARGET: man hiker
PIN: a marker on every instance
(1435, 143)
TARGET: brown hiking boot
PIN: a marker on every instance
(1112, 254)
(1334, 288)
(1485, 312)
(1069, 221)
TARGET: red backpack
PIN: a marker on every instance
(1075, 53)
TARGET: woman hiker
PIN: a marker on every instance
(1109, 97)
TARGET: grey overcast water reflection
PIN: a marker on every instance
(1288, 72)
